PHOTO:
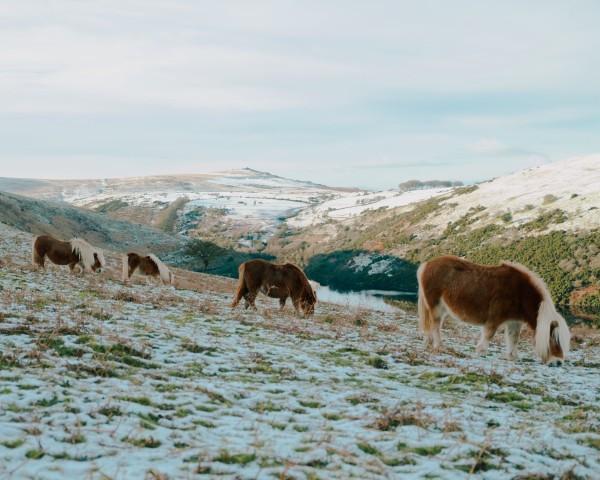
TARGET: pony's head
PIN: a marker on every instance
(99, 262)
(552, 336)
(90, 257)
(308, 300)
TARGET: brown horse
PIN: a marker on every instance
(74, 252)
(149, 265)
(275, 281)
(507, 294)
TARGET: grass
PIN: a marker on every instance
(16, 443)
(377, 362)
(110, 411)
(403, 415)
(238, 458)
(142, 442)
(34, 454)
(368, 448)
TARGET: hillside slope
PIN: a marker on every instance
(547, 218)
(94, 373)
(235, 208)
(64, 221)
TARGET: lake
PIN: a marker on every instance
(369, 299)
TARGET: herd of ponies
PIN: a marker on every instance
(505, 295)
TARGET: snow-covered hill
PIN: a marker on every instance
(100, 379)
(242, 205)
(572, 186)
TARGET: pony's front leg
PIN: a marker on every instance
(282, 301)
(487, 332)
(72, 268)
(512, 330)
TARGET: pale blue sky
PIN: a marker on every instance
(345, 93)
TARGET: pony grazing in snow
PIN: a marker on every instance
(507, 294)
(74, 252)
(149, 265)
(275, 281)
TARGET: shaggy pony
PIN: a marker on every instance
(275, 281)
(508, 294)
(149, 265)
(74, 252)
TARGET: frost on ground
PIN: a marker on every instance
(103, 380)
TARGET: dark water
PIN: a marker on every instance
(379, 300)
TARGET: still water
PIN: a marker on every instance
(369, 299)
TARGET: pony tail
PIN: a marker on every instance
(35, 257)
(125, 272)
(425, 323)
(241, 286)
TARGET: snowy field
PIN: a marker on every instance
(349, 205)
(103, 380)
(572, 185)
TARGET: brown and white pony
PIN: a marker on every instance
(149, 265)
(74, 252)
(275, 281)
(508, 294)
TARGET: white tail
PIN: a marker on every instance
(125, 271)
(165, 274)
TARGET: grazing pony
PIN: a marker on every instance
(74, 252)
(149, 265)
(275, 281)
(507, 294)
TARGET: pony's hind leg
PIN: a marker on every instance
(282, 301)
(512, 330)
(250, 298)
(487, 332)
(436, 318)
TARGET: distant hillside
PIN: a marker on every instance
(237, 209)
(547, 218)
(64, 221)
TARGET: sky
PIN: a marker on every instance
(345, 93)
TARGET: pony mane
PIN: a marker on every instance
(547, 315)
(86, 252)
(165, 274)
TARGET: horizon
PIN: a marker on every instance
(346, 95)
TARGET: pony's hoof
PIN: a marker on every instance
(555, 363)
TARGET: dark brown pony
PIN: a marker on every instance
(74, 252)
(275, 281)
(149, 265)
(491, 296)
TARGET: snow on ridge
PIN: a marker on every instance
(351, 204)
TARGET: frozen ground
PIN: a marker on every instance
(103, 380)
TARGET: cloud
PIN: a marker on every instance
(352, 92)
(494, 148)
